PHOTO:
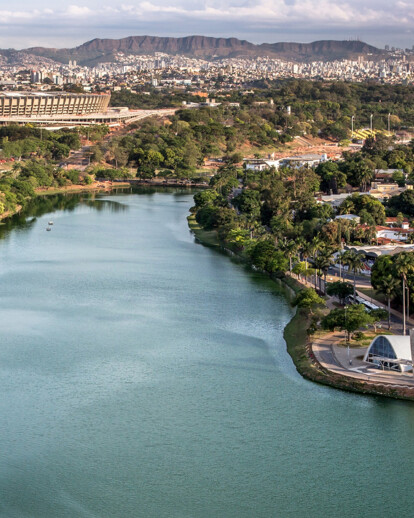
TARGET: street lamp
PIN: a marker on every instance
(408, 301)
(347, 341)
(389, 122)
(352, 125)
(370, 122)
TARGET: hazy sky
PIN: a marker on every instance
(68, 23)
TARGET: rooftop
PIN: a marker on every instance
(47, 94)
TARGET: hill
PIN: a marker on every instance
(105, 50)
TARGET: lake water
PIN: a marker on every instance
(144, 375)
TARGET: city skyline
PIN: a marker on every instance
(376, 22)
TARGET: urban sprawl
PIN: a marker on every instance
(166, 71)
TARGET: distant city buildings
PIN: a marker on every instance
(163, 71)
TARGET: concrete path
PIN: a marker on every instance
(334, 357)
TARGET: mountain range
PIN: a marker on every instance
(105, 50)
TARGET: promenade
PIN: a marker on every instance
(334, 357)
(337, 359)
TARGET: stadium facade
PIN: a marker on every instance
(29, 104)
(63, 109)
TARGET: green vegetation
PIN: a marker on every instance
(206, 237)
(317, 107)
(296, 336)
(17, 187)
(348, 319)
(339, 289)
(178, 147)
(308, 298)
(19, 142)
(393, 276)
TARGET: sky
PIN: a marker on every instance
(67, 23)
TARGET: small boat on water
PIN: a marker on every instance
(50, 223)
(48, 229)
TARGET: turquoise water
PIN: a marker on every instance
(144, 375)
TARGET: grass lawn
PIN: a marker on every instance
(374, 294)
(207, 237)
(295, 335)
(366, 340)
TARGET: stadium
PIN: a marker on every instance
(18, 104)
(62, 109)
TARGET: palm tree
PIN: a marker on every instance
(340, 260)
(355, 262)
(315, 245)
(347, 206)
(323, 261)
(306, 249)
(290, 248)
(404, 265)
(364, 174)
(388, 286)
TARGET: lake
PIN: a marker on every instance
(145, 375)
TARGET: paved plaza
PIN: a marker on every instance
(334, 357)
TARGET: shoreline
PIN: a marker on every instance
(298, 345)
(103, 185)
(10, 213)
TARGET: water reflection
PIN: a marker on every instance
(68, 202)
(42, 205)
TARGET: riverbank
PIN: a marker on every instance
(93, 187)
(299, 346)
(10, 213)
(103, 186)
(163, 183)
(206, 237)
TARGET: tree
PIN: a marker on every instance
(237, 237)
(266, 257)
(96, 154)
(388, 286)
(307, 298)
(348, 319)
(248, 202)
(332, 177)
(383, 267)
(363, 172)
(120, 156)
(403, 203)
(290, 248)
(355, 262)
(323, 261)
(399, 178)
(206, 197)
(356, 203)
(306, 250)
(210, 217)
(299, 269)
(404, 265)
(339, 289)
(377, 316)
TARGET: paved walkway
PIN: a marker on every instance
(340, 360)
(334, 357)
